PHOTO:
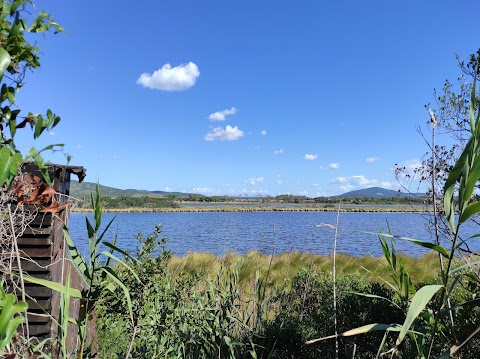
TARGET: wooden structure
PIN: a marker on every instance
(44, 255)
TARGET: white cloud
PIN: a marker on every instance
(168, 189)
(334, 166)
(229, 133)
(360, 181)
(222, 115)
(279, 179)
(310, 157)
(303, 193)
(263, 132)
(278, 152)
(338, 180)
(170, 78)
(372, 159)
(202, 190)
(254, 181)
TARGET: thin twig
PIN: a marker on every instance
(130, 346)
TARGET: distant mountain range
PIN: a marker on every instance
(80, 190)
(84, 189)
(378, 192)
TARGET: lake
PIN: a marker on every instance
(267, 232)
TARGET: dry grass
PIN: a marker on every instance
(279, 270)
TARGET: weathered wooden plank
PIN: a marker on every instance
(37, 231)
(39, 329)
(38, 265)
(37, 292)
(39, 304)
(34, 241)
(35, 252)
(38, 318)
(41, 220)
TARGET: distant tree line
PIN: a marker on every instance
(132, 202)
(372, 200)
(295, 199)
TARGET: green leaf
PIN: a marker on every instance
(449, 187)
(4, 61)
(418, 304)
(97, 209)
(113, 276)
(118, 260)
(38, 127)
(6, 6)
(10, 162)
(468, 265)
(53, 285)
(472, 179)
(9, 321)
(90, 230)
(104, 231)
(469, 211)
(15, 6)
(11, 95)
(375, 297)
(18, 26)
(428, 245)
(119, 250)
(76, 256)
(473, 101)
(11, 330)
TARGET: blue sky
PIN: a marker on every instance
(246, 97)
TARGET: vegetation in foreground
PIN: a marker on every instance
(147, 311)
(257, 306)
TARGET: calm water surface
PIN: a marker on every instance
(267, 232)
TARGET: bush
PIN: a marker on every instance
(307, 313)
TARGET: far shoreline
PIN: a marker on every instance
(193, 209)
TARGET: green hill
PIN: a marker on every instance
(84, 189)
(378, 192)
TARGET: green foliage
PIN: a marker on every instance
(307, 313)
(100, 277)
(172, 317)
(137, 202)
(10, 317)
(18, 56)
